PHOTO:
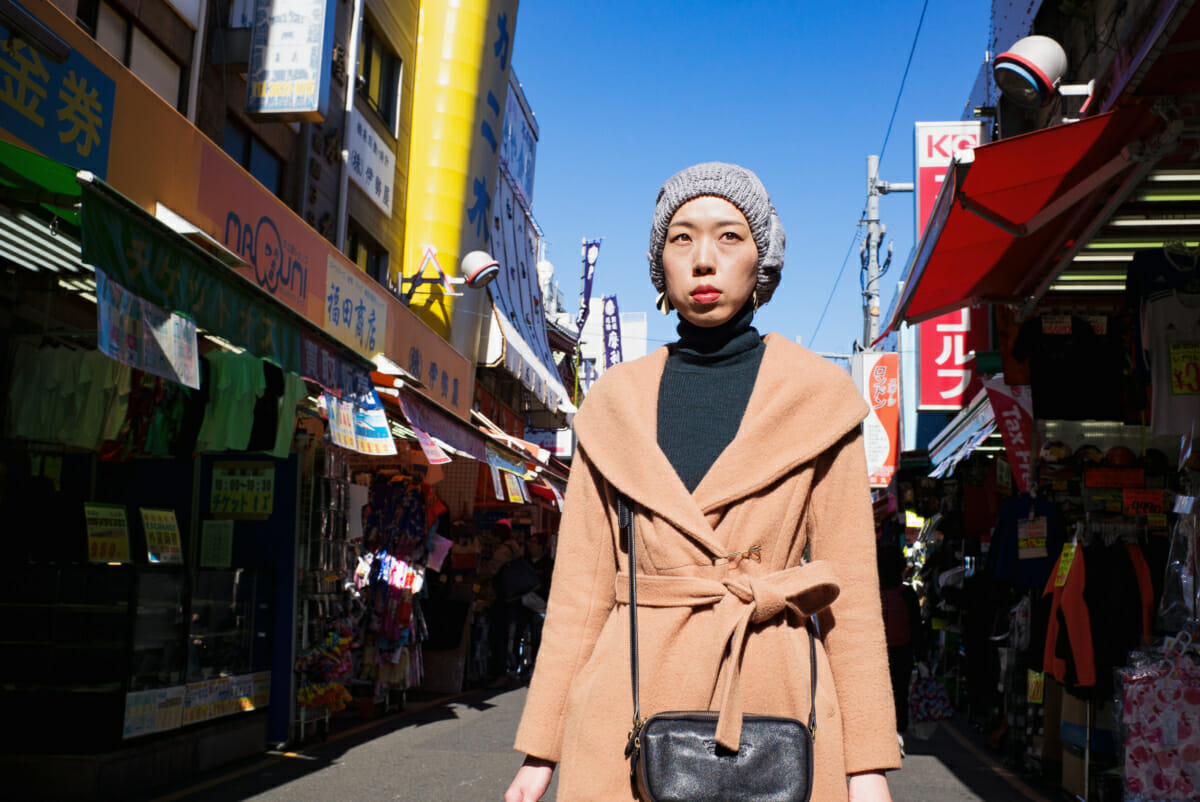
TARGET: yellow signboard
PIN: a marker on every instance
(162, 536)
(107, 533)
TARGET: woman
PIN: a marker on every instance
(739, 454)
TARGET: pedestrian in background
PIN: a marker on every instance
(902, 627)
(740, 455)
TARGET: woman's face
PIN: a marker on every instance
(710, 261)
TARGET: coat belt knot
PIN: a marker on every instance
(740, 601)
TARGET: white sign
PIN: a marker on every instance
(372, 162)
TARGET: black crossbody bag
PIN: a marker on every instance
(675, 757)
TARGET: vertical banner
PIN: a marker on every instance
(945, 379)
(591, 250)
(612, 332)
(1013, 409)
(877, 376)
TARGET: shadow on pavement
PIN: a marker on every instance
(262, 773)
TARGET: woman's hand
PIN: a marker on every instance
(531, 782)
(870, 786)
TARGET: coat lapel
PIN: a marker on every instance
(617, 426)
(800, 406)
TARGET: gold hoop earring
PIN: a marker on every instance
(754, 298)
(663, 303)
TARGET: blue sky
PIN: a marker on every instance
(626, 93)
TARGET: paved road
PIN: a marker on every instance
(459, 751)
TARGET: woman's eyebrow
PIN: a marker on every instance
(718, 224)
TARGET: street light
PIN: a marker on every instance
(478, 268)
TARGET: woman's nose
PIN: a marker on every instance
(705, 257)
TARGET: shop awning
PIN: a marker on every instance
(962, 435)
(1010, 209)
(460, 435)
(517, 340)
(62, 221)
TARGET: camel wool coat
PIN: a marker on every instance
(723, 582)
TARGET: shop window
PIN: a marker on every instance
(379, 76)
(130, 45)
(250, 152)
(370, 257)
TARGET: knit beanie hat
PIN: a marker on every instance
(744, 190)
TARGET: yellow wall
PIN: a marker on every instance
(458, 114)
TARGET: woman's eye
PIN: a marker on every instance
(681, 237)
(731, 236)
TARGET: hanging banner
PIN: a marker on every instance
(1013, 408)
(137, 333)
(591, 250)
(107, 533)
(877, 376)
(612, 333)
(433, 452)
(372, 434)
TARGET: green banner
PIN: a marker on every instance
(162, 268)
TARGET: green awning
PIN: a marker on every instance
(28, 178)
(149, 259)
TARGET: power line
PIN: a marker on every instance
(903, 79)
(850, 250)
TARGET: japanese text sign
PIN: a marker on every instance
(612, 332)
(162, 536)
(372, 165)
(243, 490)
(64, 110)
(291, 60)
(355, 312)
(877, 376)
(107, 533)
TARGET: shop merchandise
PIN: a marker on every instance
(1068, 353)
(1161, 719)
(237, 380)
(1029, 533)
(1171, 339)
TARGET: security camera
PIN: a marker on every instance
(479, 268)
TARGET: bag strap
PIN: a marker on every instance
(625, 520)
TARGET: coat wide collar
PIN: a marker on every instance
(800, 406)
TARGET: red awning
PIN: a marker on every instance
(1009, 209)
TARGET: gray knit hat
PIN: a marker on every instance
(740, 187)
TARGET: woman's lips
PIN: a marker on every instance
(706, 295)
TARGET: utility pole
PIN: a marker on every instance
(870, 249)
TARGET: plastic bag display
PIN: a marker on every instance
(1161, 718)
(1178, 605)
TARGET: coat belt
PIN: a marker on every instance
(739, 600)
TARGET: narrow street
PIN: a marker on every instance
(459, 750)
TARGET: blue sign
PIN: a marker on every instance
(63, 110)
(291, 58)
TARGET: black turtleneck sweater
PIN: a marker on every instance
(705, 387)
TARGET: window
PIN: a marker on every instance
(379, 77)
(367, 254)
(130, 45)
(249, 151)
